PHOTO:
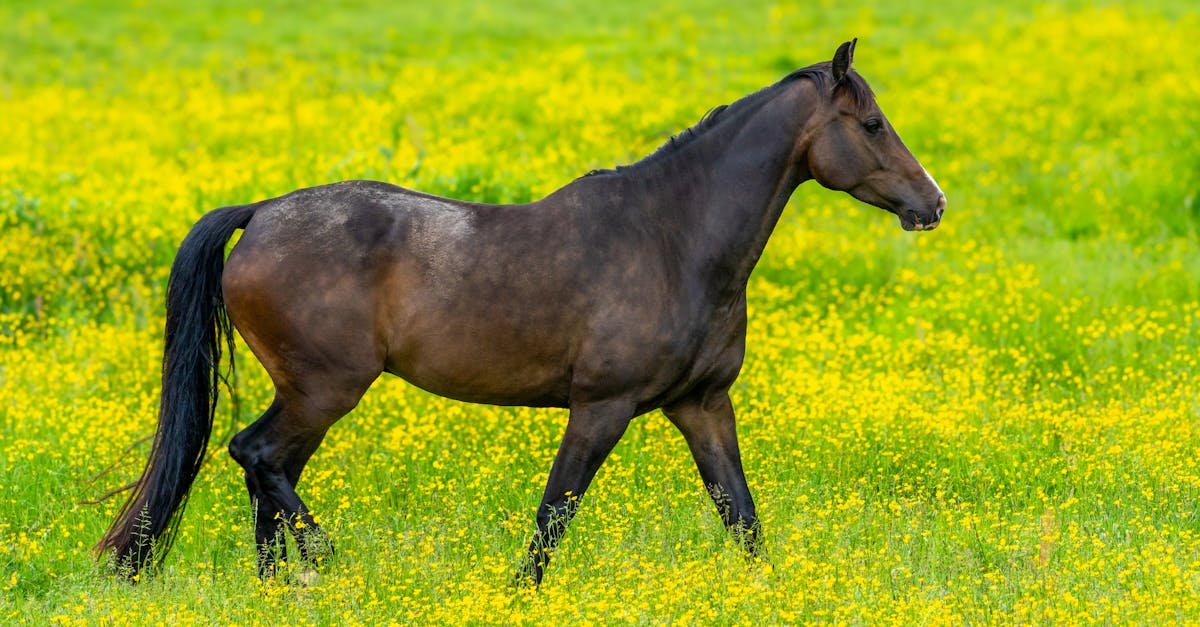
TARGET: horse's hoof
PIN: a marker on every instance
(524, 580)
(309, 577)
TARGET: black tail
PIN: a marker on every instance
(197, 326)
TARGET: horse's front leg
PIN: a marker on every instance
(707, 423)
(592, 432)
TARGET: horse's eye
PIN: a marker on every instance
(873, 125)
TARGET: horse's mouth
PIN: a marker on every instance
(910, 222)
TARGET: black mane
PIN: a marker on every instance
(820, 73)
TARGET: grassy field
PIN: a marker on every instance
(992, 423)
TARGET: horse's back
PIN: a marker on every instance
(470, 301)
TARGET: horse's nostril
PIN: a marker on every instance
(941, 206)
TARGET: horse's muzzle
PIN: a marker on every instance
(912, 221)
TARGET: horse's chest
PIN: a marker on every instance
(661, 356)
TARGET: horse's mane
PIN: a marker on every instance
(853, 86)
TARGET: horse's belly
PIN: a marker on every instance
(497, 370)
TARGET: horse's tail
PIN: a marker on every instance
(197, 326)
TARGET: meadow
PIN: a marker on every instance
(995, 422)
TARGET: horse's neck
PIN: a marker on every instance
(729, 187)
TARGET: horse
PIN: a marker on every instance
(620, 293)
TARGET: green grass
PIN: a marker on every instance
(991, 423)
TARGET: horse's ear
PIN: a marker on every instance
(842, 59)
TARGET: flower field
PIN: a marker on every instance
(997, 422)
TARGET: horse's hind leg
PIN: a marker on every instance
(268, 529)
(273, 451)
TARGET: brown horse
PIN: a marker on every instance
(622, 292)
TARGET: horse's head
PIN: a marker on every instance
(852, 147)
